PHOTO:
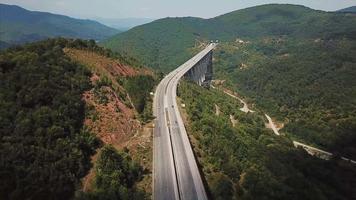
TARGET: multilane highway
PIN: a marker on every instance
(175, 171)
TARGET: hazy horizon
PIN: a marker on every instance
(155, 9)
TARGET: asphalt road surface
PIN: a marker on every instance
(175, 172)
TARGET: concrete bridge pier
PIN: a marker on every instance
(202, 72)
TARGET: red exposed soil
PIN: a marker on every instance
(113, 121)
(113, 67)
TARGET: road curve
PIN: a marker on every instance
(175, 171)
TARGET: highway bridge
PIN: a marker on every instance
(175, 171)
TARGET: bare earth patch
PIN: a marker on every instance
(274, 126)
(217, 110)
(245, 108)
(140, 146)
(111, 118)
(243, 66)
(114, 121)
(233, 120)
(218, 82)
(100, 63)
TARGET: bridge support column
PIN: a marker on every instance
(202, 72)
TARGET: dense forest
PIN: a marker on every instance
(139, 88)
(312, 91)
(116, 175)
(249, 162)
(45, 148)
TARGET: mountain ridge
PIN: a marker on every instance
(351, 9)
(21, 25)
(180, 34)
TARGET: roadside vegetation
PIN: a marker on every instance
(139, 88)
(248, 161)
(116, 177)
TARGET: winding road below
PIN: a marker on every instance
(271, 125)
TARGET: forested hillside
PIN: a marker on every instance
(293, 62)
(116, 176)
(351, 9)
(46, 142)
(44, 148)
(307, 84)
(166, 43)
(19, 26)
(156, 43)
(244, 160)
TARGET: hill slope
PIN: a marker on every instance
(19, 25)
(55, 105)
(351, 9)
(165, 43)
(244, 160)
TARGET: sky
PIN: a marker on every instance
(155, 9)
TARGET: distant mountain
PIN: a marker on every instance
(163, 43)
(124, 24)
(351, 9)
(19, 25)
(4, 45)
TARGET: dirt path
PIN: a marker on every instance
(318, 152)
(217, 110)
(271, 125)
(233, 120)
(245, 108)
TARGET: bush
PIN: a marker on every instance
(116, 176)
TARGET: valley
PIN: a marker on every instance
(269, 64)
(256, 103)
